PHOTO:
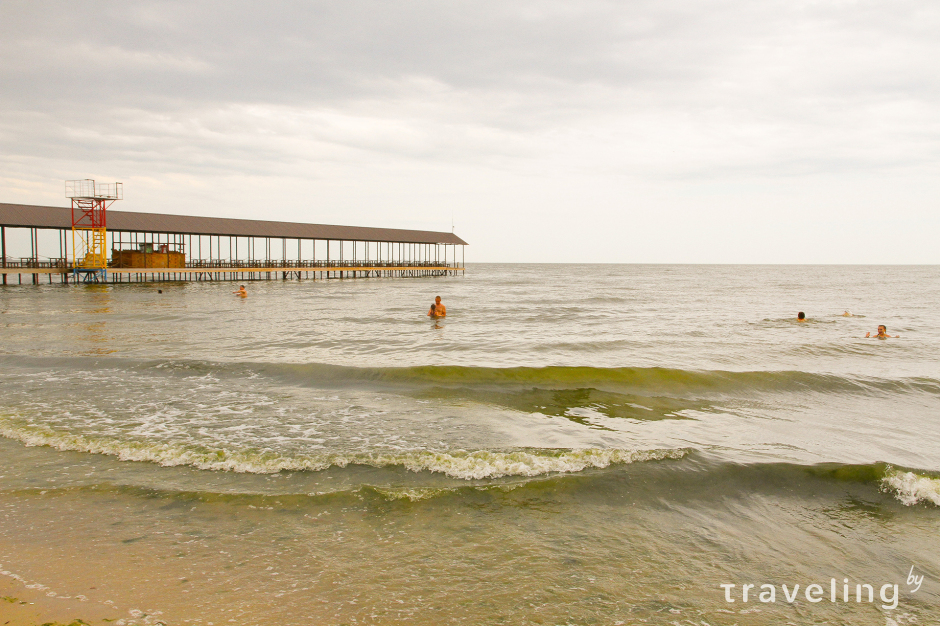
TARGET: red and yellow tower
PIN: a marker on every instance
(89, 226)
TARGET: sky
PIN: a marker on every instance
(613, 132)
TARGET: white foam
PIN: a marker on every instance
(911, 488)
(468, 465)
(481, 464)
(166, 454)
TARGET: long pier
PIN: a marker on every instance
(156, 247)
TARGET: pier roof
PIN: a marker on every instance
(31, 216)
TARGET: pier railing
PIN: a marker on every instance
(28, 263)
(66, 265)
(293, 264)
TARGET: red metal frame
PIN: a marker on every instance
(89, 212)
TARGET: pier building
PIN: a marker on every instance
(159, 247)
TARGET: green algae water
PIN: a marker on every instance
(571, 445)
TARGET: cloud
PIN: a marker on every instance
(597, 99)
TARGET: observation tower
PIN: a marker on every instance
(89, 226)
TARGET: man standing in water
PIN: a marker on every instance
(439, 308)
(241, 292)
(882, 333)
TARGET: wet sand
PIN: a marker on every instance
(22, 606)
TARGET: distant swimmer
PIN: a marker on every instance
(241, 292)
(847, 314)
(433, 312)
(441, 309)
(801, 316)
(882, 333)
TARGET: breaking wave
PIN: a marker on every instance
(907, 486)
(912, 488)
(463, 464)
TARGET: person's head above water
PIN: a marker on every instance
(882, 332)
(801, 316)
(437, 299)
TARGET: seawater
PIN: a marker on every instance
(573, 444)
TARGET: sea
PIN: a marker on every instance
(572, 444)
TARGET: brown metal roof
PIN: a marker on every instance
(30, 216)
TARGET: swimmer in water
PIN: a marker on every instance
(432, 312)
(882, 333)
(241, 292)
(439, 307)
(801, 316)
(847, 314)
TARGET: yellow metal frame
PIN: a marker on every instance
(89, 248)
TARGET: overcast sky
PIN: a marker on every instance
(635, 131)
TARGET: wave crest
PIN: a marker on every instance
(635, 379)
(911, 488)
(480, 464)
(463, 464)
